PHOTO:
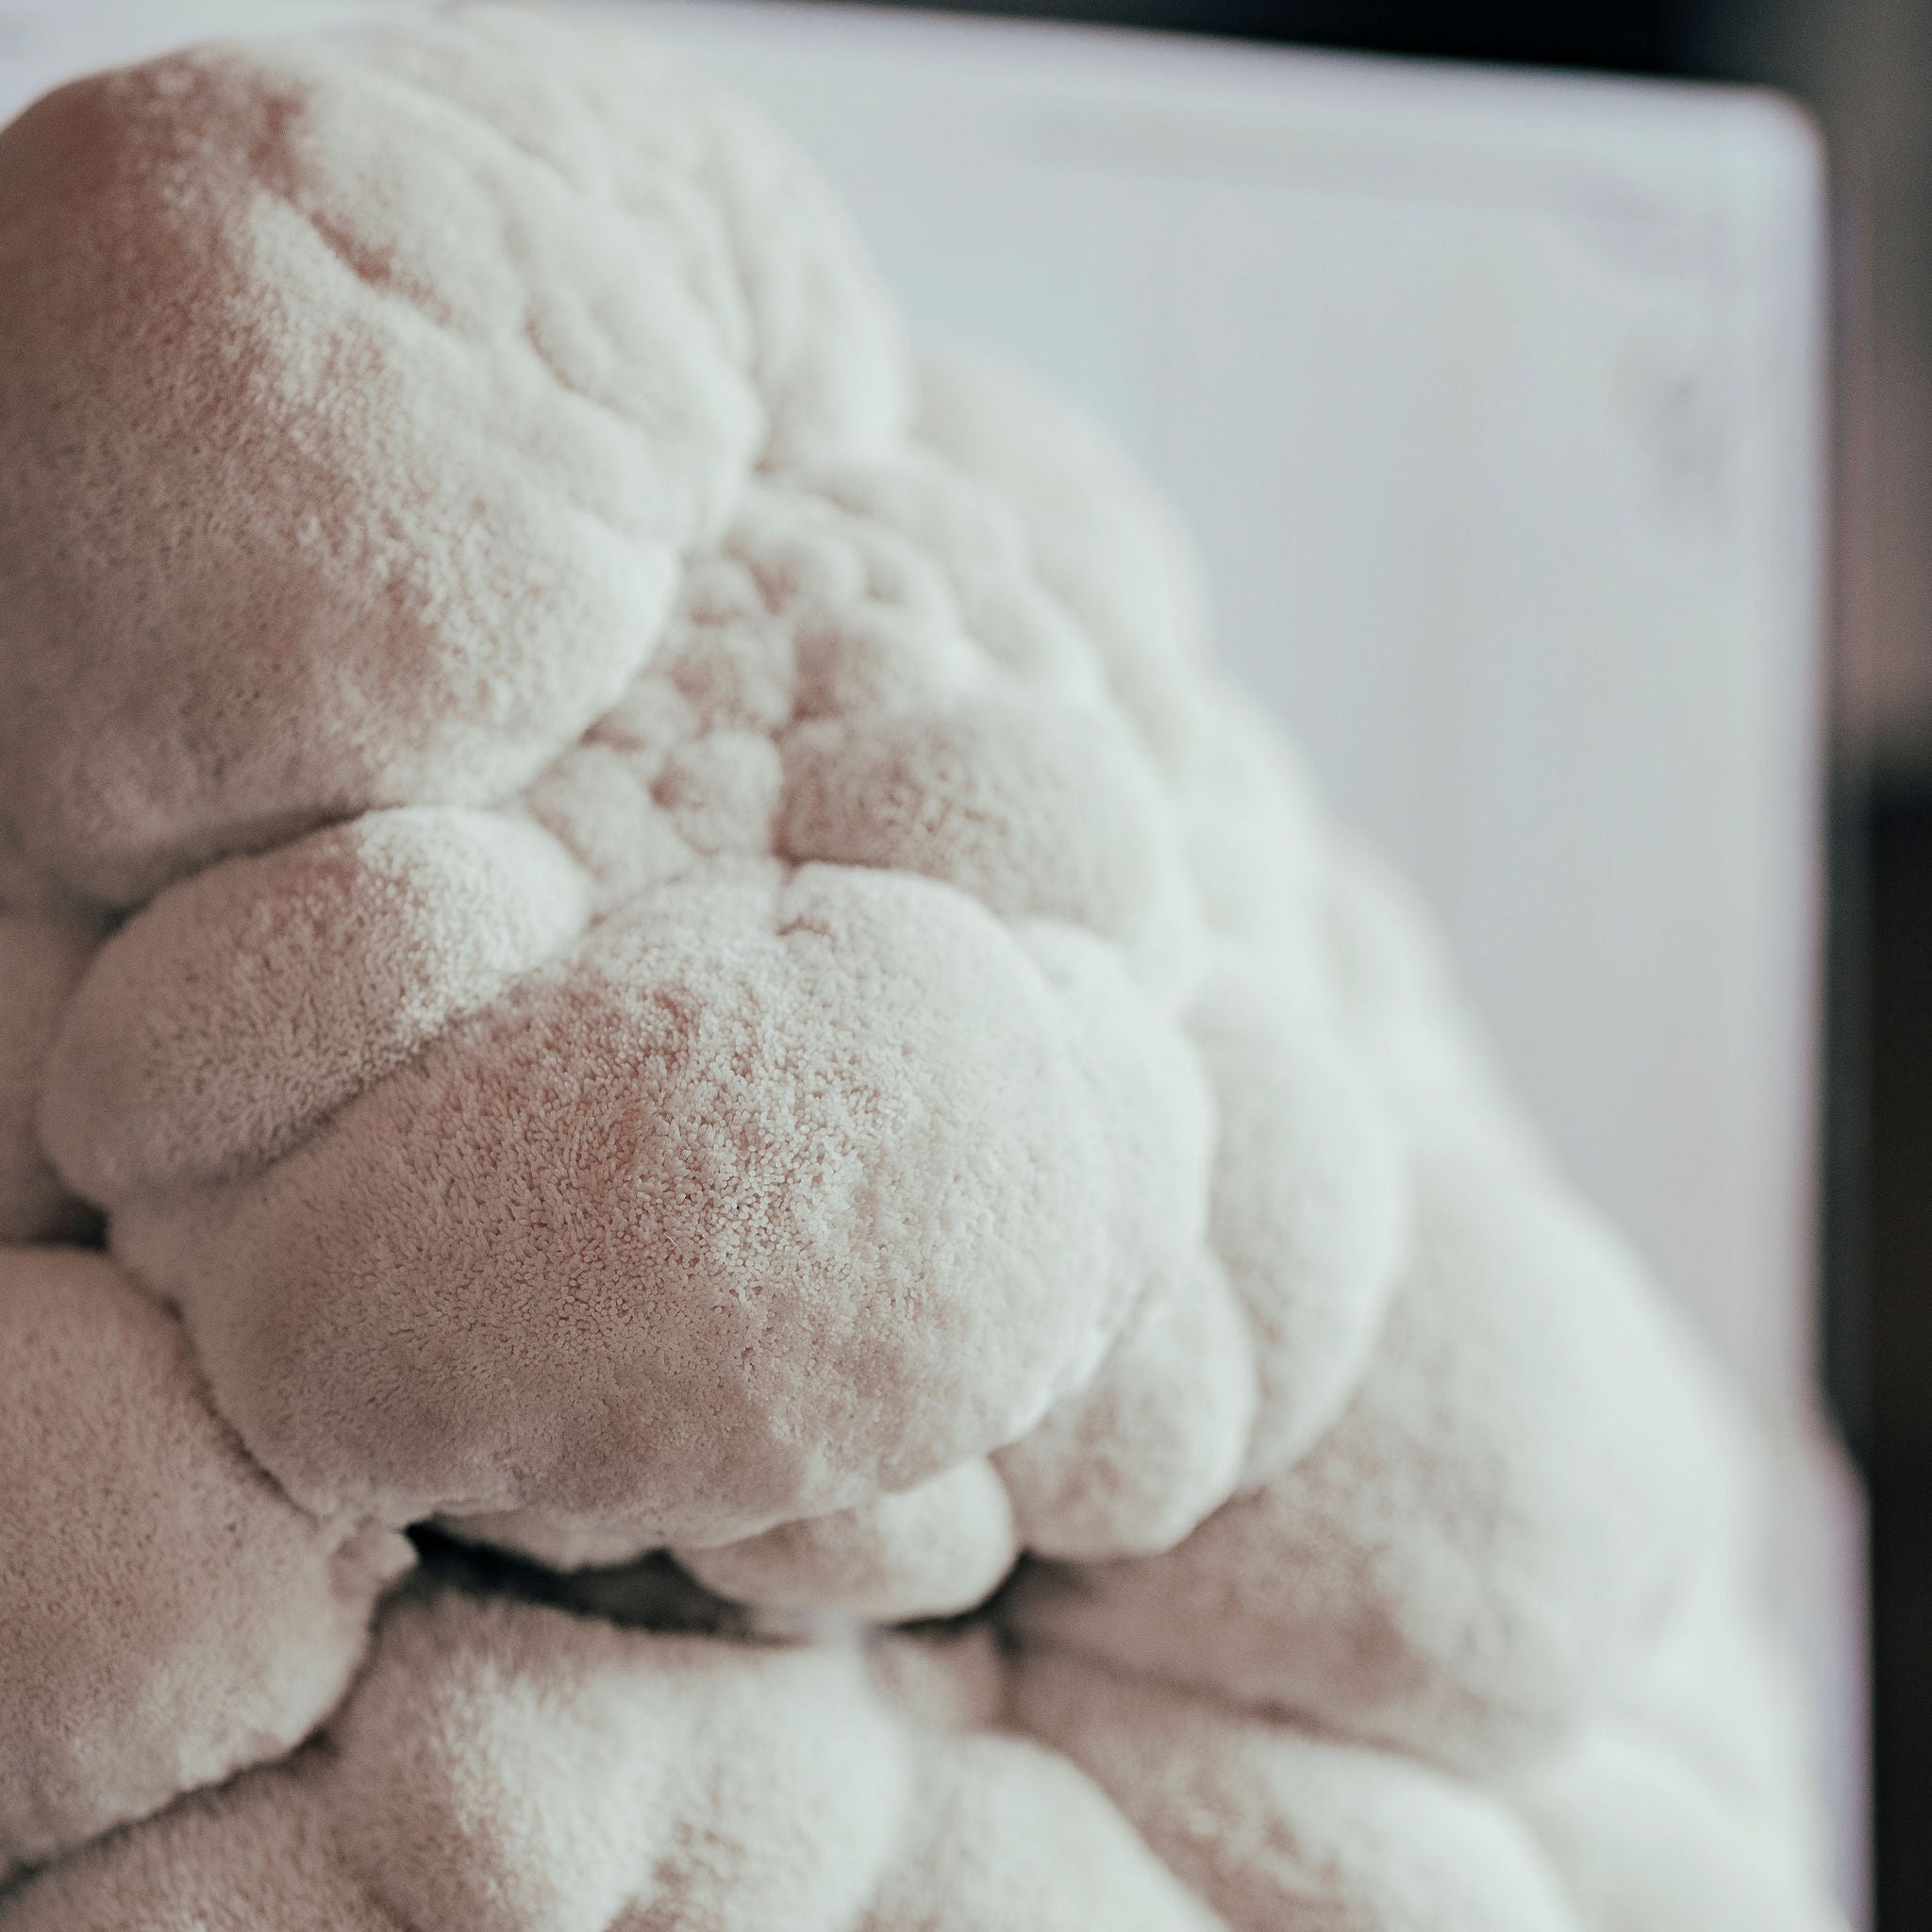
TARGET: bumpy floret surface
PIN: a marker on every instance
(644, 923)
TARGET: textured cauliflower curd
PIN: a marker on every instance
(643, 919)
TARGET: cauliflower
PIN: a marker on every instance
(505, 1768)
(171, 1616)
(641, 917)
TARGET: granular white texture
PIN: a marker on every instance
(361, 397)
(170, 1616)
(504, 1768)
(1523, 1487)
(643, 919)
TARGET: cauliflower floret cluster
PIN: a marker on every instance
(640, 923)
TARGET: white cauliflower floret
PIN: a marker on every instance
(361, 395)
(1642, 1840)
(1131, 1462)
(171, 1616)
(280, 986)
(508, 1769)
(1502, 1523)
(504, 1768)
(776, 1192)
(1275, 1826)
